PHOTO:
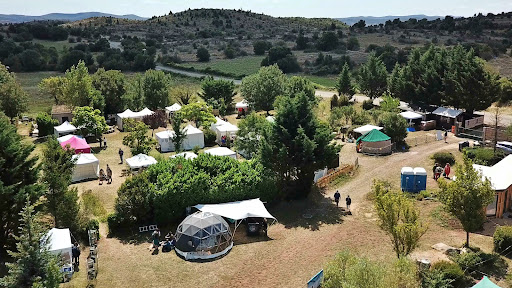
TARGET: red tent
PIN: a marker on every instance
(80, 145)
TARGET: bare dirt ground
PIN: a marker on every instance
(297, 248)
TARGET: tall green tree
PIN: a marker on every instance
(250, 131)
(156, 89)
(179, 132)
(395, 126)
(33, 266)
(137, 138)
(134, 96)
(467, 197)
(112, 85)
(505, 90)
(13, 100)
(297, 84)
(19, 173)
(218, 94)
(198, 112)
(53, 86)
(78, 89)
(373, 77)
(344, 84)
(90, 121)
(398, 218)
(296, 146)
(183, 94)
(389, 103)
(261, 89)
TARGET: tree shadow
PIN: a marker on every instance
(310, 213)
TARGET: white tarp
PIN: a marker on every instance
(60, 243)
(409, 115)
(242, 104)
(139, 161)
(64, 128)
(186, 155)
(221, 151)
(67, 137)
(194, 137)
(367, 128)
(238, 210)
(447, 112)
(87, 166)
(129, 114)
(499, 174)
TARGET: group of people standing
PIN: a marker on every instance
(107, 176)
(438, 170)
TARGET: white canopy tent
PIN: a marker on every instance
(194, 137)
(67, 137)
(218, 122)
(229, 130)
(172, 109)
(410, 116)
(64, 129)
(221, 151)
(186, 155)
(87, 166)
(129, 114)
(139, 161)
(447, 112)
(59, 243)
(242, 105)
(499, 174)
(367, 128)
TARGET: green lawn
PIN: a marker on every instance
(240, 66)
(37, 101)
(326, 82)
(59, 45)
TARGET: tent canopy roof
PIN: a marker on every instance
(130, 114)
(242, 104)
(67, 137)
(126, 114)
(485, 283)
(189, 130)
(374, 136)
(60, 239)
(144, 112)
(366, 128)
(227, 128)
(76, 143)
(220, 151)
(186, 155)
(65, 127)
(499, 174)
(85, 158)
(141, 160)
(409, 115)
(173, 108)
(270, 119)
(238, 210)
(447, 112)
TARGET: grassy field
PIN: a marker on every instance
(59, 45)
(324, 82)
(37, 101)
(241, 66)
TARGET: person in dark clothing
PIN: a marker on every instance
(348, 201)
(445, 136)
(337, 197)
(434, 171)
(104, 143)
(121, 153)
(75, 252)
(109, 175)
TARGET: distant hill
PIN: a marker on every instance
(12, 18)
(370, 20)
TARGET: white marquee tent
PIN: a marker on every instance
(409, 115)
(367, 128)
(186, 155)
(195, 137)
(499, 174)
(129, 114)
(87, 166)
(173, 108)
(139, 161)
(64, 129)
(59, 243)
(218, 122)
(229, 130)
(238, 210)
(244, 105)
(67, 137)
(221, 151)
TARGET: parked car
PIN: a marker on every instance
(504, 146)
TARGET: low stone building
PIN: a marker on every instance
(62, 113)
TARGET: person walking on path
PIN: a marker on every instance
(447, 170)
(75, 252)
(445, 136)
(104, 142)
(337, 197)
(434, 171)
(348, 201)
(109, 175)
(121, 153)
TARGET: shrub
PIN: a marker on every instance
(203, 55)
(443, 158)
(484, 156)
(343, 101)
(45, 124)
(502, 239)
(209, 137)
(395, 126)
(367, 104)
(450, 271)
(196, 149)
(114, 222)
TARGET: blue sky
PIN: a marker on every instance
(318, 8)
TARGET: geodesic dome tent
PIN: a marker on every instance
(203, 235)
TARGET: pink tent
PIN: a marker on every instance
(80, 145)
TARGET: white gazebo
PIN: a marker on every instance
(367, 128)
(410, 116)
(172, 109)
(87, 166)
(194, 137)
(129, 114)
(244, 105)
(229, 130)
(59, 243)
(64, 129)
(271, 119)
(186, 155)
(218, 122)
(221, 151)
(140, 161)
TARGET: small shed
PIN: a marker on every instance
(62, 113)
(221, 151)
(374, 142)
(447, 117)
(65, 128)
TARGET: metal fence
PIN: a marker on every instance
(419, 140)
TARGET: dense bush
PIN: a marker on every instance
(443, 158)
(367, 104)
(484, 156)
(450, 271)
(503, 239)
(209, 137)
(395, 126)
(45, 124)
(203, 55)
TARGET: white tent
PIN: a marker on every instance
(218, 122)
(499, 174)
(221, 151)
(63, 129)
(144, 112)
(59, 243)
(447, 112)
(67, 137)
(367, 128)
(186, 155)
(242, 105)
(229, 130)
(195, 137)
(409, 115)
(139, 161)
(238, 210)
(87, 166)
(129, 114)
(173, 108)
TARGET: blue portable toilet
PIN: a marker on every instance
(420, 179)
(407, 179)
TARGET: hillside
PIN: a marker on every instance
(372, 20)
(13, 18)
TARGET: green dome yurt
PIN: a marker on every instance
(374, 142)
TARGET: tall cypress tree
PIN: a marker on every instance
(344, 83)
(373, 77)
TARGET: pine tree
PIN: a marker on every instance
(373, 77)
(18, 180)
(33, 264)
(179, 133)
(344, 84)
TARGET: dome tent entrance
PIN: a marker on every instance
(203, 235)
(374, 142)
